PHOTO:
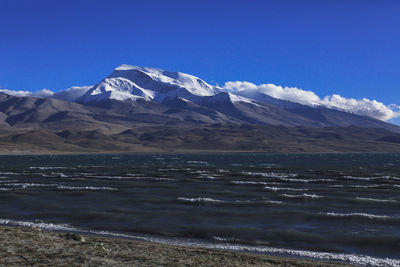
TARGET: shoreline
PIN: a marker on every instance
(22, 245)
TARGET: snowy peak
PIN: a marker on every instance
(118, 89)
(162, 80)
(128, 82)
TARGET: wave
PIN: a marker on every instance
(302, 196)
(228, 202)
(110, 177)
(39, 224)
(51, 168)
(173, 169)
(154, 178)
(328, 256)
(240, 241)
(271, 174)
(358, 186)
(63, 187)
(270, 165)
(376, 200)
(253, 182)
(371, 186)
(206, 176)
(357, 178)
(60, 174)
(358, 214)
(129, 178)
(198, 171)
(199, 199)
(284, 188)
(305, 180)
(387, 177)
(197, 162)
(274, 202)
(29, 185)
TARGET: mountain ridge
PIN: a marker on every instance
(147, 109)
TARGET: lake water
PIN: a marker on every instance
(327, 206)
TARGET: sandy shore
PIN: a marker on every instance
(31, 246)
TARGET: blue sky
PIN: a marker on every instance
(330, 47)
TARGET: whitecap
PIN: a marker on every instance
(357, 214)
(154, 178)
(111, 177)
(60, 174)
(29, 185)
(252, 182)
(366, 186)
(376, 199)
(302, 196)
(271, 174)
(284, 189)
(207, 176)
(50, 168)
(274, 202)
(371, 178)
(39, 224)
(305, 180)
(355, 186)
(63, 187)
(199, 199)
(5, 189)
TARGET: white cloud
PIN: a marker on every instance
(364, 107)
(69, 94)
(16, 93)
(72, 93)
(42, 93)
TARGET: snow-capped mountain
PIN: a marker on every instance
(153, 96)
(131, 83)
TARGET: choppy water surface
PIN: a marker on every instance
(329, 206)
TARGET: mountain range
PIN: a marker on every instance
(148, 109)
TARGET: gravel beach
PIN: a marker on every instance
(21, 246)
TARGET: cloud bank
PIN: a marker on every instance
(69, 94)
(364, 107)
(72, 93)
(44, 93)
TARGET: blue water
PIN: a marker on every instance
(317, 205)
